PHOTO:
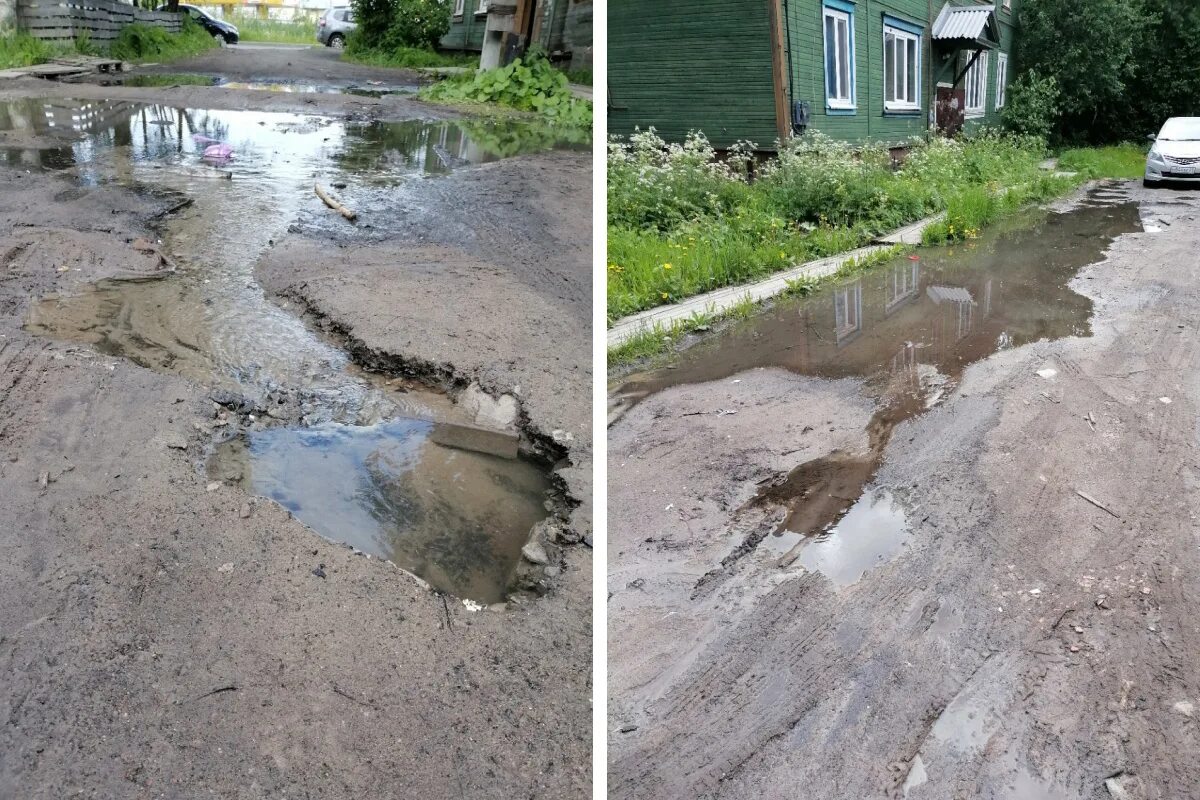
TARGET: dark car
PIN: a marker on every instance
(219, 29)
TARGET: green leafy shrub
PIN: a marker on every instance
(391, 24)
(141, 42)
(1031, 106)
(527, 84)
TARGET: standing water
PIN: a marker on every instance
(368, 467)
(908, 328)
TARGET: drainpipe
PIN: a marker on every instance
(931, 79)
(791, 81)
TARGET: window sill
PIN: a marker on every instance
(841, 111)
(905, 111)
(974, 114)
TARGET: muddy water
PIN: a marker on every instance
(457, 518)
(454, 516)
(908, 328)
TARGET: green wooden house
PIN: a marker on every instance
(764, 70)
(563, 27)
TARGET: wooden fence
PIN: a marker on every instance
(102, 20)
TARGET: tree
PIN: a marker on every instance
(1094, 51)
(392, 24)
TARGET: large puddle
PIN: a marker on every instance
(367, 467)
(908, 328)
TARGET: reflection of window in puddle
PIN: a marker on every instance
(903, 285)
(847, 312)
(964, 303)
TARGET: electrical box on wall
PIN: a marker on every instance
(800, 116)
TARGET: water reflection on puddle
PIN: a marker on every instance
(456, 518)
(908, 328)
(872, 532)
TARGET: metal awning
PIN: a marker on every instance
(972, 26)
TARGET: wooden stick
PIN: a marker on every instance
(334, 204)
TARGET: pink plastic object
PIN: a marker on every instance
(200, 138)
(218, 151)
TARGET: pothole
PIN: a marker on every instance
(389, 466)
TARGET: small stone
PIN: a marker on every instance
(498, 607)
(245, 512)
(1078, 629)
(552, 572)
(213, 486)
(535, 553)
(226, 567)
(1074, 648)
(43, 479)
(319, 571)
(1185, 707)
(1035, 592)
(175, 441)
(562, 437)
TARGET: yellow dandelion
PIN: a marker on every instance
(667, 265)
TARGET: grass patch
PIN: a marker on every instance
(141, 42)
(683, 222)
(19, 49)
(169, 79)
(252, 29)
(1126, 161)
(406, 57)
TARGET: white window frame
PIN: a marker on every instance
(459, 7)
(847, 311)
(839, 100)
(907, 103)
(976, 77)
(1001, 80)
(482, 7)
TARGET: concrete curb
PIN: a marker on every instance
(720, 300)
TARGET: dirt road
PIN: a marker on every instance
(165, 632)
(1007, 608)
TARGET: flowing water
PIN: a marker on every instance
(367, 463)
(908, 328)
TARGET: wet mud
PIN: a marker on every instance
(971, 624)
(203, 316)
(908, 329)
(246, 654)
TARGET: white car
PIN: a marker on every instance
(1175, 155)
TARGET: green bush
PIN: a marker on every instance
(527, 84)
(683, 221)
(1031, 106)
(391, 24)
(141, 42)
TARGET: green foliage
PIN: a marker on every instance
(404, 57)
(141, 42)
(527, 84)
(169, 79)
(1031, 106)
(1123, 66)
(1126, 161)
(391, 24)
(19, 49)
(683, 221)
(253, 29)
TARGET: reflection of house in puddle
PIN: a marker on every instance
(67, 121)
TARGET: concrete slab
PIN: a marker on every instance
(724, 299)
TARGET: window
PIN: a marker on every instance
(458, 7)
(977, 86)
(839, 56)
(901, 70)
(1001, 79)
(847, 311)
(482, 7)
(1007, 5)
(903, 285)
